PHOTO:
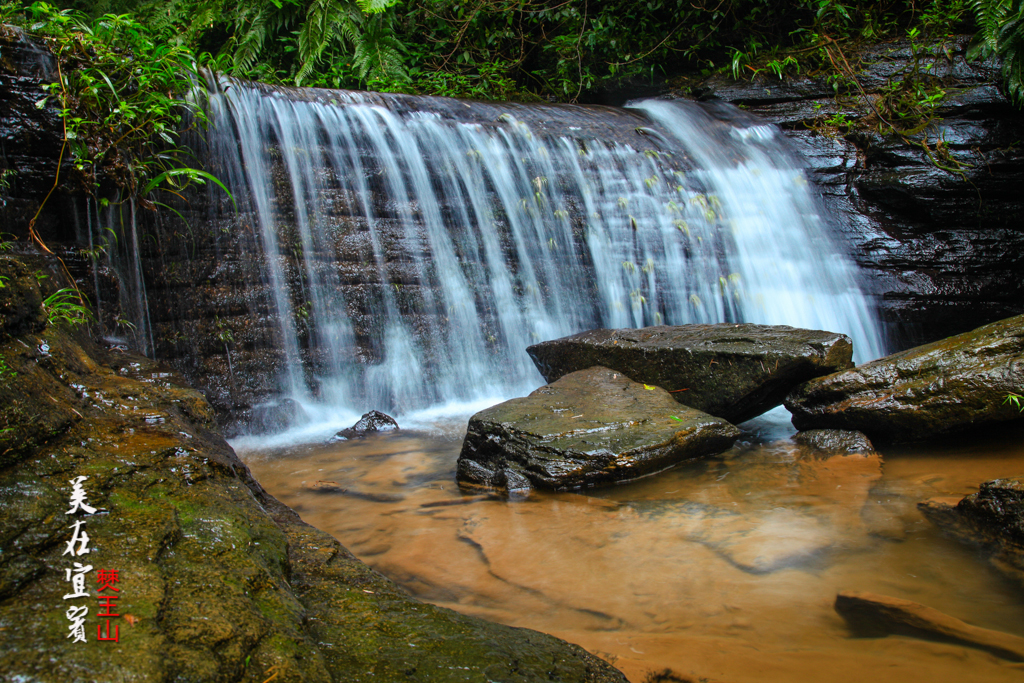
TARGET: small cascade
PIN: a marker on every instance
(411, 248)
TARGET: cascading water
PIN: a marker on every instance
(480, 229)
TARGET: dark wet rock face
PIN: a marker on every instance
(942, 248)
(591, 427)
(948, 386)
(370, 423)
(999, 506)
(218, 581)
(992, 518)
(30, 137)
(734, 371)
(21, 308)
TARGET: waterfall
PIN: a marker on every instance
(412, 248)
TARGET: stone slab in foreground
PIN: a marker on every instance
(871, 614)
(948, 386)
(591, 427)
(733, 371)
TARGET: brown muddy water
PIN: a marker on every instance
(726, 568)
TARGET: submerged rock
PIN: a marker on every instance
(992, 518)
(831, 442)
(277, 416)
(591, 427)
(373, 421)
(948, 386)
(727, 513)
(734, 371)
(218, 581)
(878, 615)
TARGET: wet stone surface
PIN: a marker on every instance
(591, 427)
(829, 442)
(929, 391)
(992, 518)
(733, 371)
(370, 423)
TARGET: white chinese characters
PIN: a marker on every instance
(76, 574)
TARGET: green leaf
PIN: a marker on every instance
(192, 174)
(375, 6)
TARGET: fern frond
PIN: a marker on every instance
(1001, 24)
(250, 44)
(1011, 51)
(378, 53)
(989, 15)
(327, 21)
(375, 6)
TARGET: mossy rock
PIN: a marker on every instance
(218, 580)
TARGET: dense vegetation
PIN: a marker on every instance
(125, 65)
(566, 50)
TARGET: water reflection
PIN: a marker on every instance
(725, 569)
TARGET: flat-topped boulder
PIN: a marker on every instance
(733, 371)
(948, 386)
(591, 427)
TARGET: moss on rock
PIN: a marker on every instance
(218, 580)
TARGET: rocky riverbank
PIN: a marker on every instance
(216, 580)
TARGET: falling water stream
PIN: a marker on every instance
(484, 228)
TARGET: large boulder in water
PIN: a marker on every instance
(924, 392)
(591, 427)
(734, 371)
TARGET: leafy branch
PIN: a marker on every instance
(121, 94)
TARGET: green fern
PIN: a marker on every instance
(326, 22)
(375, 6)
(378, 54)
(989, 15)
(1001, 34)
